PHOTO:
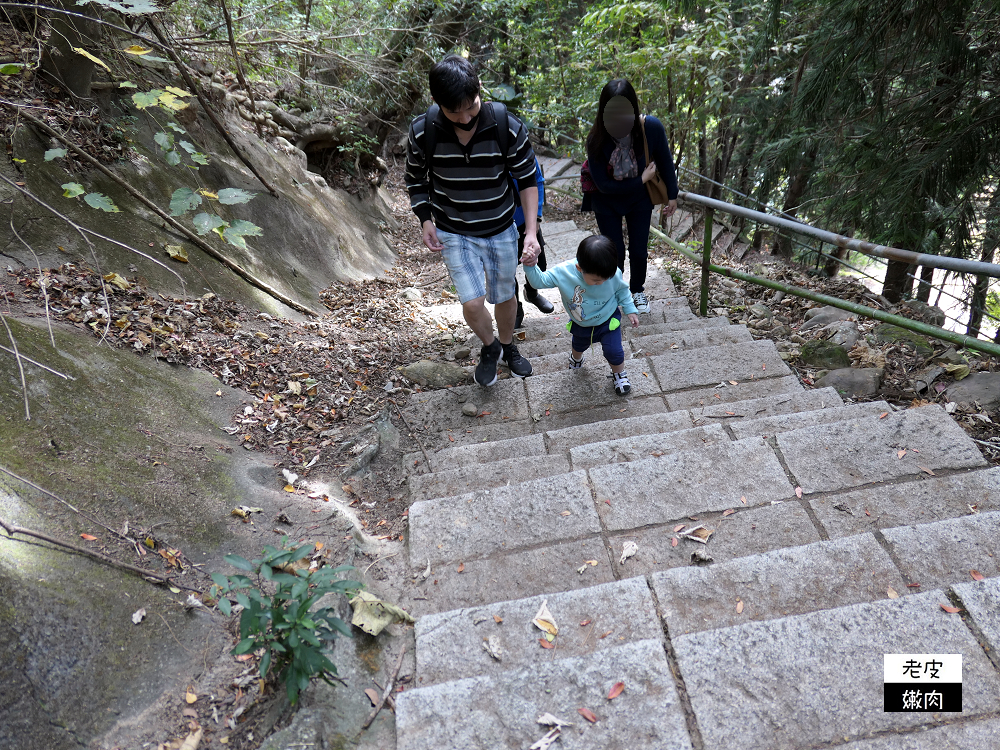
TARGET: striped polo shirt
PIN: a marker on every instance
(472, 193)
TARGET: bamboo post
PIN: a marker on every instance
(706, 262)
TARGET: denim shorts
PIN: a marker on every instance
(471, 261)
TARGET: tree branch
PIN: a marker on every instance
(171, 221)
(208, 110)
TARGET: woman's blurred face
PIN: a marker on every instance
(619, 117)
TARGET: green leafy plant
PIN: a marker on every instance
(286, 625)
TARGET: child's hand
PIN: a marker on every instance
(529, 257)
(633, 319)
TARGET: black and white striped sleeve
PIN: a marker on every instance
(416, 175)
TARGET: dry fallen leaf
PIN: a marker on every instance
(585, 623)
(545, 644)
(883, 415)
(587, 714)
(949, 609)
(678, 527)
(190, 713)
(913, 585)
(728, 512)
(138, 616)
(743, 499)
(900, 454)
(673, 542)
(497, 619)
(461, 567)
(190, 696)
(605, 635)
(976, 575)
(798, 492)
(565, 513)
(372, 696)
(616, 690)
(739, 606)
(544, 620)
(192, 741)
(88, 537)
(891, 593)
(924, 468)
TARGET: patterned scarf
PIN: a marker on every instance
(623, 161)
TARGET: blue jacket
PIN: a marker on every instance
(518, 211)
(622, 196)
(587, 305)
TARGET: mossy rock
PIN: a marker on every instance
(825, 354)
(886, 333)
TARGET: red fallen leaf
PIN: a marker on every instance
(616, 690)
(798, 492)
(461, 567)
(883, 415)
(587, 714)
(913, 585)
(731, 413)
(976, 575)
(950, 610)
(485, 414)
(497, 619)
(608, 502)
(88, 537)
(679, 526)
(585, 623)
(244, 657)
(602, 637)
(548, 413)
(867, 512)
(406, 513)
(545, 644)
(673, 542)
(451, 438)
(728, 512)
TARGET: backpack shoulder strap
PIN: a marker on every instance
(503, 127)
(430, 134)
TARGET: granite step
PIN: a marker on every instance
(731, 392)
(709, 365)
(500, 711)
(915, 442)
(639, 447)
(476, 453)
(769, 426)
(675, 341)
(482, 476)
(817, 679)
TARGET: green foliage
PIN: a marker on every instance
(11, 69)
(232, 196)
(205, 223)
(184, 200)
(101, 201)
(55, 153)
(280, 616)
(73, 189)
(234, 234)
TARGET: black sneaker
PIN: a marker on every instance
(531, 295)
(486, 370)
(519, 366)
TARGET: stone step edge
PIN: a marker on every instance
(704, 517)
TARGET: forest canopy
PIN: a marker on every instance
(877, 120)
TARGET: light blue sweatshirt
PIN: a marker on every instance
(586, 305)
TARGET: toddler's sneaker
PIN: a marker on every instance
(622, 386)
(486, 370)
(574, 363)
(519, 366)
(640, 302)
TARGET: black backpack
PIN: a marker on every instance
(430, 135)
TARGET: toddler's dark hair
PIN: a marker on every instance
(453, 82)
(598, 255)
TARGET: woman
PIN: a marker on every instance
(617, 162)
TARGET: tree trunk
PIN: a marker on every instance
(991, 240)
(793, 198)
(704, 186)
(926, 281)
(69, 69)
(832, 267)
(895, 286)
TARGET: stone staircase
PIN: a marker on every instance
(837, 531)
